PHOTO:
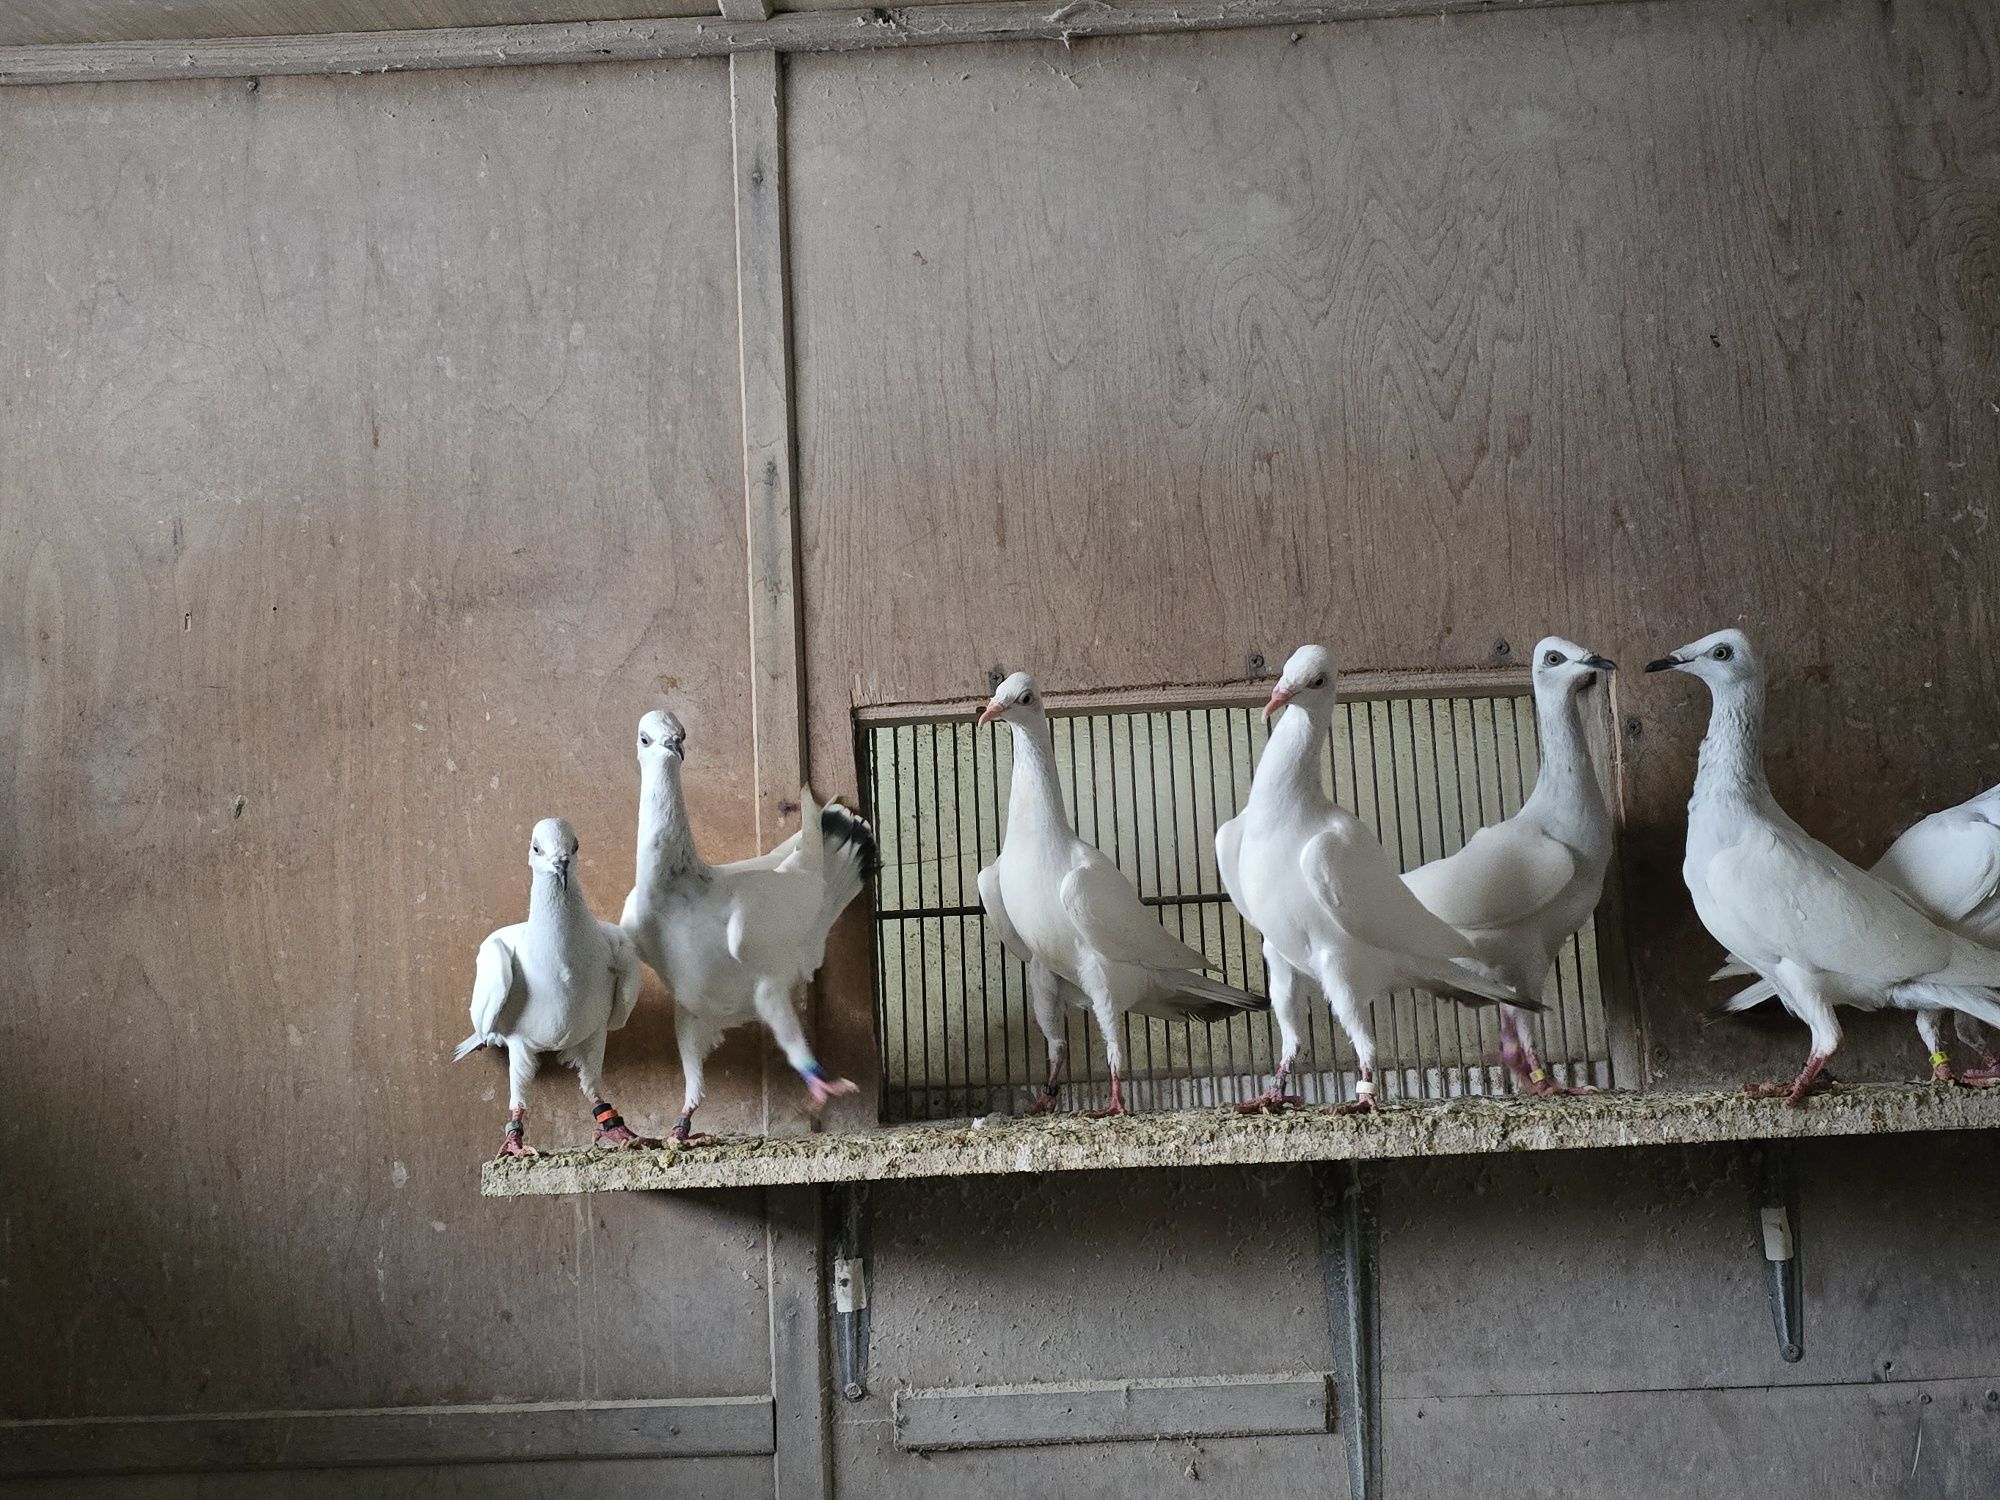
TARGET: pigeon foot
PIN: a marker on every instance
(684, 1133)
(513, 1145)
(1976, 1078)
(621, 1137)
(1270, 1102)
(1106, 1113)
(823, 1089)
(1365, 1105)
(1045, 1103)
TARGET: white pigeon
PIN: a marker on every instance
(558, 982)
(1518, 889)
(1948, 864)
(1821, 931)
(734, 941)
(1072, 917)
(1328, 899)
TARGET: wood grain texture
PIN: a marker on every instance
(1626, 322)
(59, 22)
(371, 466)
(700, 35)
(395, 1437)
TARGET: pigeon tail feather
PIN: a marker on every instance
(469, 1046)
(849, 855)
(1200, 998)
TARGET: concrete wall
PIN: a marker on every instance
(371, 458)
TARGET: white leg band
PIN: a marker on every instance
(1365, 1088)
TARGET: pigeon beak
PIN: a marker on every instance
(1280, 696)
(992, 711)
(561, 867)
(1600, 663)
(1665, 664)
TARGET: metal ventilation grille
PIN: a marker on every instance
(1149, 787)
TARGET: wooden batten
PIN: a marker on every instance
(695, 36)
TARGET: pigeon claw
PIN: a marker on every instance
(624, 1138)
(823, 1089)
(1270, 1102)
(1976, 1078)
(1365, 1105)
(1105, 1113)
(1045, 1103)
(513, 1145)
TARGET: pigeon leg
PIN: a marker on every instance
(612, 1131)
(774, 1008)
(1927, 1028)
(1045, 1102)
(1534, 1077)
(1108, 1028)
(1285, 1002)
(521, 1066)
(695, 1042)
(1046, 997)
(1115, 1107)
(1803, 1000)
(515, 1142)
(1354, 1021)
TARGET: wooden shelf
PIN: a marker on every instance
(1216, 1138)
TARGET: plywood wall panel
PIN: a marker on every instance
(371, 466)
(1125, 361)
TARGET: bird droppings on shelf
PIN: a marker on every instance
(1206, 1138)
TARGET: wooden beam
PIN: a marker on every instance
(1111, 1411)
(1468, 1126)
(794, 1242)
(388, 1437)
(1478, 682)
(699, 36)
(777, 686)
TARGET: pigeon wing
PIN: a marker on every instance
(1948, 866)
(1793, 898)
(626, 977)
(497, 991)
(1113, 920)
(1505, 874)
(1228, 853)
(996, 915)
(1350, 877)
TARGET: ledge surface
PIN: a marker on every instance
(1217, 1138)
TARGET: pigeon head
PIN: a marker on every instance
(1017, 700)
(1564, 666)
(661, 735)
(1723, 659)
(551, 849)
(1308, 681)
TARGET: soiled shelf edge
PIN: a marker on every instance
(1216, 1138)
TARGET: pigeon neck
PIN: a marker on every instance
(1288, 776)
(1565, 786)
(552, 904)
(1732, 753)
(666, 846)
(1035, 797)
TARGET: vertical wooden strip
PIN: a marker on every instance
(777, 685)
(794, 1241)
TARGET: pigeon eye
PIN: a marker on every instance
(1553, 659)
(1318, 682)
(535, 849)
(1027, 698)
(1723, 653)
(645, 741)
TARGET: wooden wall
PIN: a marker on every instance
(371, 463)
(1624, 322)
